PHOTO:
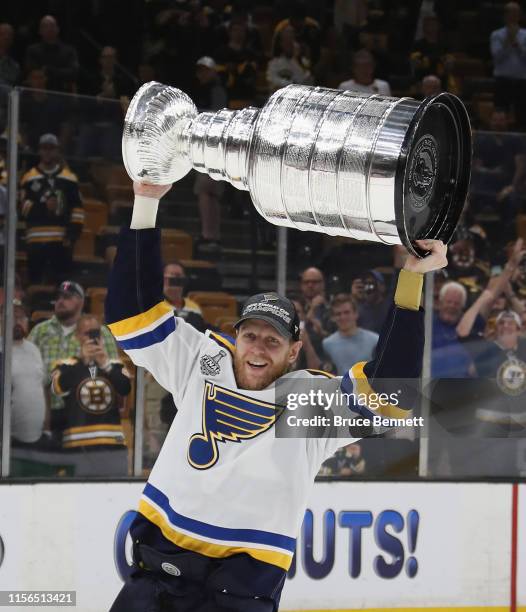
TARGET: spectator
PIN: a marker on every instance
(110, 81)
(449, 357)
(363, 80)
(377, 45)
(328, 70)
(53, 211)
(307, 32)
(369, 293)
(431, 86)
(318, 323)
(28, 402)
(208, 94)
(350, 343)
(56, 339)
(180, 34)
(308, 359)
(508, 49)
(288, 64)
(9, 68)
(347, 461)
(238, 67)
(350, 17)
(464, 265)
(498, 176)
(429, 55)
(490, 408)
(58, 60)
(90, 384)
(41, 112)
(240, 15)
(175, 282)
(101, 132)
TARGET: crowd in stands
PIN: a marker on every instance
(73, 193)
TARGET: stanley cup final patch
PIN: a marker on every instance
(210, 364)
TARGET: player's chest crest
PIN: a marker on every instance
(227, 416)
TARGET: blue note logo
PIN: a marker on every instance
(227, 416)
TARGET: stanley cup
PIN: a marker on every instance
(363, 166)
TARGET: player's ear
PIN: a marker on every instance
(295, 348)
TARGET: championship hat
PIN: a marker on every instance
(274, 309)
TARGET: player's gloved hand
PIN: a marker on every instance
(436, 259)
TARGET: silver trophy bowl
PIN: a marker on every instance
(369, 167)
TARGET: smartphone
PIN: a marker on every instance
(94, 334)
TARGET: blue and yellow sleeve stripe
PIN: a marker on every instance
(145, 329)
(355, 383)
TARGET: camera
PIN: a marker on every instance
(369, 285)
(176, 281)
(94, 334)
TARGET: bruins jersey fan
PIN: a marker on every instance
(91, 400)
(52, 209)
(218, 518)
(46, 223)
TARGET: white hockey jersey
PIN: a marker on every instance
(223, 483)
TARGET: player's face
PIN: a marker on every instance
(262, 355)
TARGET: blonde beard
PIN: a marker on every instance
(243, 382)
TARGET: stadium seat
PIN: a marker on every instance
(226, 325)
(120, 192)
(85, 245)
(202, 275)
(176, 244)
(96, 214)
(90, 271)
(96, 296)
(87, 190)
(39, 297)
(215, 304)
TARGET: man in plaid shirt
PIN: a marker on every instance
(56, 339)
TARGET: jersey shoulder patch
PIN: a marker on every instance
(224, 341)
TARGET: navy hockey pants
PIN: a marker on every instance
(201, 586)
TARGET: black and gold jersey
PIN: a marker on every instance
(51, 205)
(91, 399)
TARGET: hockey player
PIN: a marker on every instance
(218, 518)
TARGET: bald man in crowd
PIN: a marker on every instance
(315, 305)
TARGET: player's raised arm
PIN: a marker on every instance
(137, 314)
(397, 362)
